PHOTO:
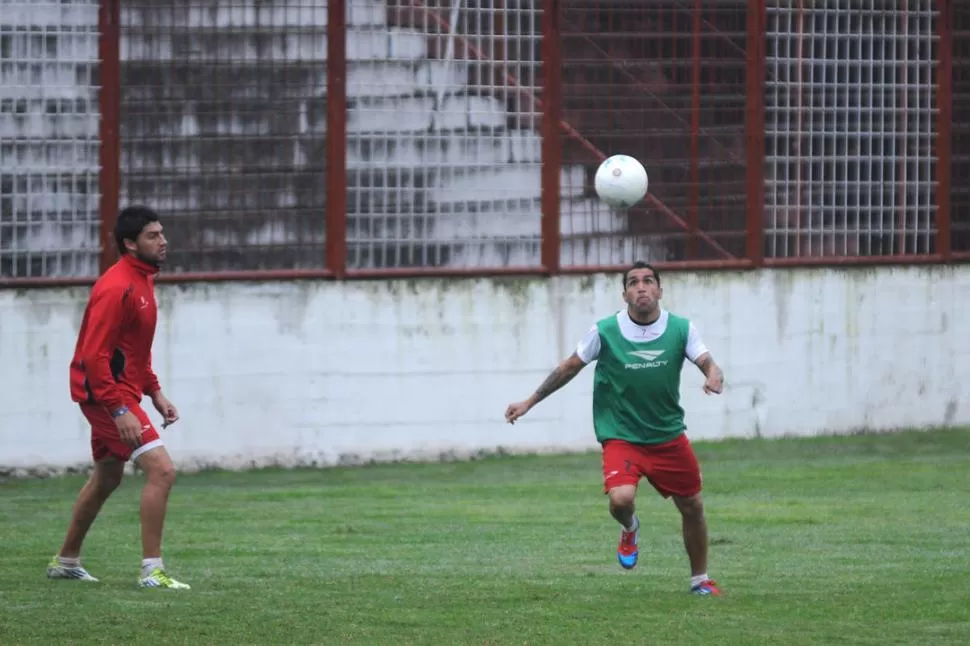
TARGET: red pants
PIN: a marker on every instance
(105, 439)
(670, 467)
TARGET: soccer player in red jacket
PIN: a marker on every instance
(110, 373)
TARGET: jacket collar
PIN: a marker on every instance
(140, 266)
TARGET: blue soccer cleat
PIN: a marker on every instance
(627, 552)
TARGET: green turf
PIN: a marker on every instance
(852, 540)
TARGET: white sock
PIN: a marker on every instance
(69, 561)
(697, 580)
(634, 526)
(147, 565)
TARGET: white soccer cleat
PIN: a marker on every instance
(158, 579)
(57, 571)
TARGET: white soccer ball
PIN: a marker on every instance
(621, 181)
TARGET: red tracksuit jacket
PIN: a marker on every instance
(112, 363)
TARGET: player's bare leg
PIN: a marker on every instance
(105, 478)
(159, 478)
(695, 541)
(623, 509)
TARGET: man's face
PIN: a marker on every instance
(151, 245)
(642, 292)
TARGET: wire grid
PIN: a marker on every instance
(629, 81)
(444, 149)
(960, 140)
(223, 129)
(49, 192)
(850, 111)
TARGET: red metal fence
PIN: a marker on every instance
(457, 137)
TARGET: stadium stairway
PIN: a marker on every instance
(442, 170)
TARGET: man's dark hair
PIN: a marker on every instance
(641, 265)
(130, 223)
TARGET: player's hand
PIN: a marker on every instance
(129, 428)
(515, 411)
(166, 409)
(714, 384)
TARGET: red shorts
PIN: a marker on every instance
(670, 467)
(105, 439)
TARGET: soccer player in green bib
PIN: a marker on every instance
(637, 416)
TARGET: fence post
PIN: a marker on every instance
(693, 206)
(944, 128)
(109, 99)
(551, 135)
(755, 132)
(336, 215)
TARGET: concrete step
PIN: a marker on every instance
(251, 45)
(49, 156)
(70, 263)
(468, 254)
(456, 189)
(37, 126)
(496, 253)
(209, 154)
(266, 14)
(226, 120)
(49, 236)
(45, 98)
(217, 228)
(78, 14)
(513, 219)
(400, 79)
(397, 155)
(66, 200)
(584, 216)
(76, 67)
(217, 189)
(147, 83)
(510, 219)
(498, 184)
(614, 250)
(512, 252)
(245, 258)
(417, 114)
(517, 218)
(371, 162)
(379, 117)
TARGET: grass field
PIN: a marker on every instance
(852, 540)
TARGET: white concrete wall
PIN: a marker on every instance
(318, 372)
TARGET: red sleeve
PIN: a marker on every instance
(151, 379)
(100, 341)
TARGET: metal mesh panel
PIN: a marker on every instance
(663, 82)
(223, 125)
(443, 154)
(850, 105)
(49, 138)
(960, 140)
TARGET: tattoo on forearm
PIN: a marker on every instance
(707, 366)
(556, 380)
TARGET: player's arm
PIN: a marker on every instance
(162, 404)
(152, 387)
(715, 376)
(559, 377)
(587, 351)
(701, 357)
(101, 339)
